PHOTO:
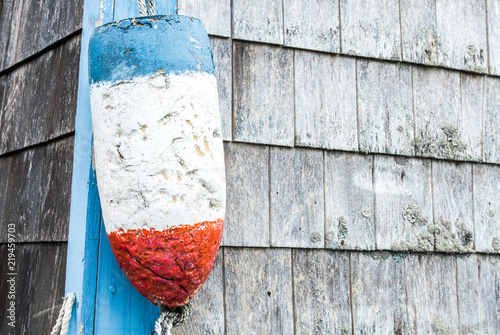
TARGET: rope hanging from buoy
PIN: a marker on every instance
(62, 323)
(146, 9)
(170, 318)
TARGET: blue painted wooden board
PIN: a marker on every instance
(106, 303)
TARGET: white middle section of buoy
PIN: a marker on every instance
(158, 151)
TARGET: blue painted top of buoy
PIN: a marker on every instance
(144, 46)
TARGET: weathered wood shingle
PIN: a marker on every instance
(403, 203)
(325, 101)
(260, 21)
(487, 207)
(493, 12)
(258, 286)
(349, 203)
(38, 192)
(385, 108)
(223, 52)
(470, 116)
(39, 101)
(322, 292)
(215, 15)
(371, 28)
(418, 31)
(461, 28)
(378, 293)
(312, 25)
(28, 26)
(263, 94)
(491, 128)
(297, 201)
(247, 204)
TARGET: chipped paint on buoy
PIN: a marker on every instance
(158, 152)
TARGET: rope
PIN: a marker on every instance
(62, 323)
(170, 318)
(149, 10)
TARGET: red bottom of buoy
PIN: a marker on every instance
(168, 267)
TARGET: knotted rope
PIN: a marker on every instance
(62, 323)
(146, 11)
(170, 318)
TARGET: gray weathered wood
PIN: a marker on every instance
(418, 31)
(37, 197)
(260, 21)
(470, 116)
(403, 203)
(258, 285)
(487, 207)
(461, 28)
(39, 286)
(350, 220)
(208, 312)
(223, 51)
(28, 26)
(378, 293)
(491, 130)
(489, 288)
(215, 15)
(468, 288)
(325, 101)
(437, 105)
(297, 201)
(247, 201)
(453, 226)
(263, 93)
(321, 292)
(40, 98)
(385, 108)
(371, 28)
(493, 11)
(431, 294)
(312, 25)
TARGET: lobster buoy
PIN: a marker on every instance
(158, 152)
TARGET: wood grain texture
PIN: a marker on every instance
(208, 310)
(489, 288)
(453, 226)
(247, 200)
(258, 21)
(349, 202)
(491, 128)
(437, 106)
(418, 31)
(493, 12)
(258, 285)
(470, 116)
(312, 25)
(215, 15)
(37, 194)
(321, 292)
(468, 289)
(39, 287)
(297, 201)
(263, 94)
(385, 108)
(403, 203)
(431, 294)
(461, 28)
(223, 51)
(378, 294)
(487, 207)
(325, 101)
(371, 28)
(28, 26)
(39, 101)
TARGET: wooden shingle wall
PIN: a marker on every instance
(362, 147)
(39, 61)
(362, 160)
